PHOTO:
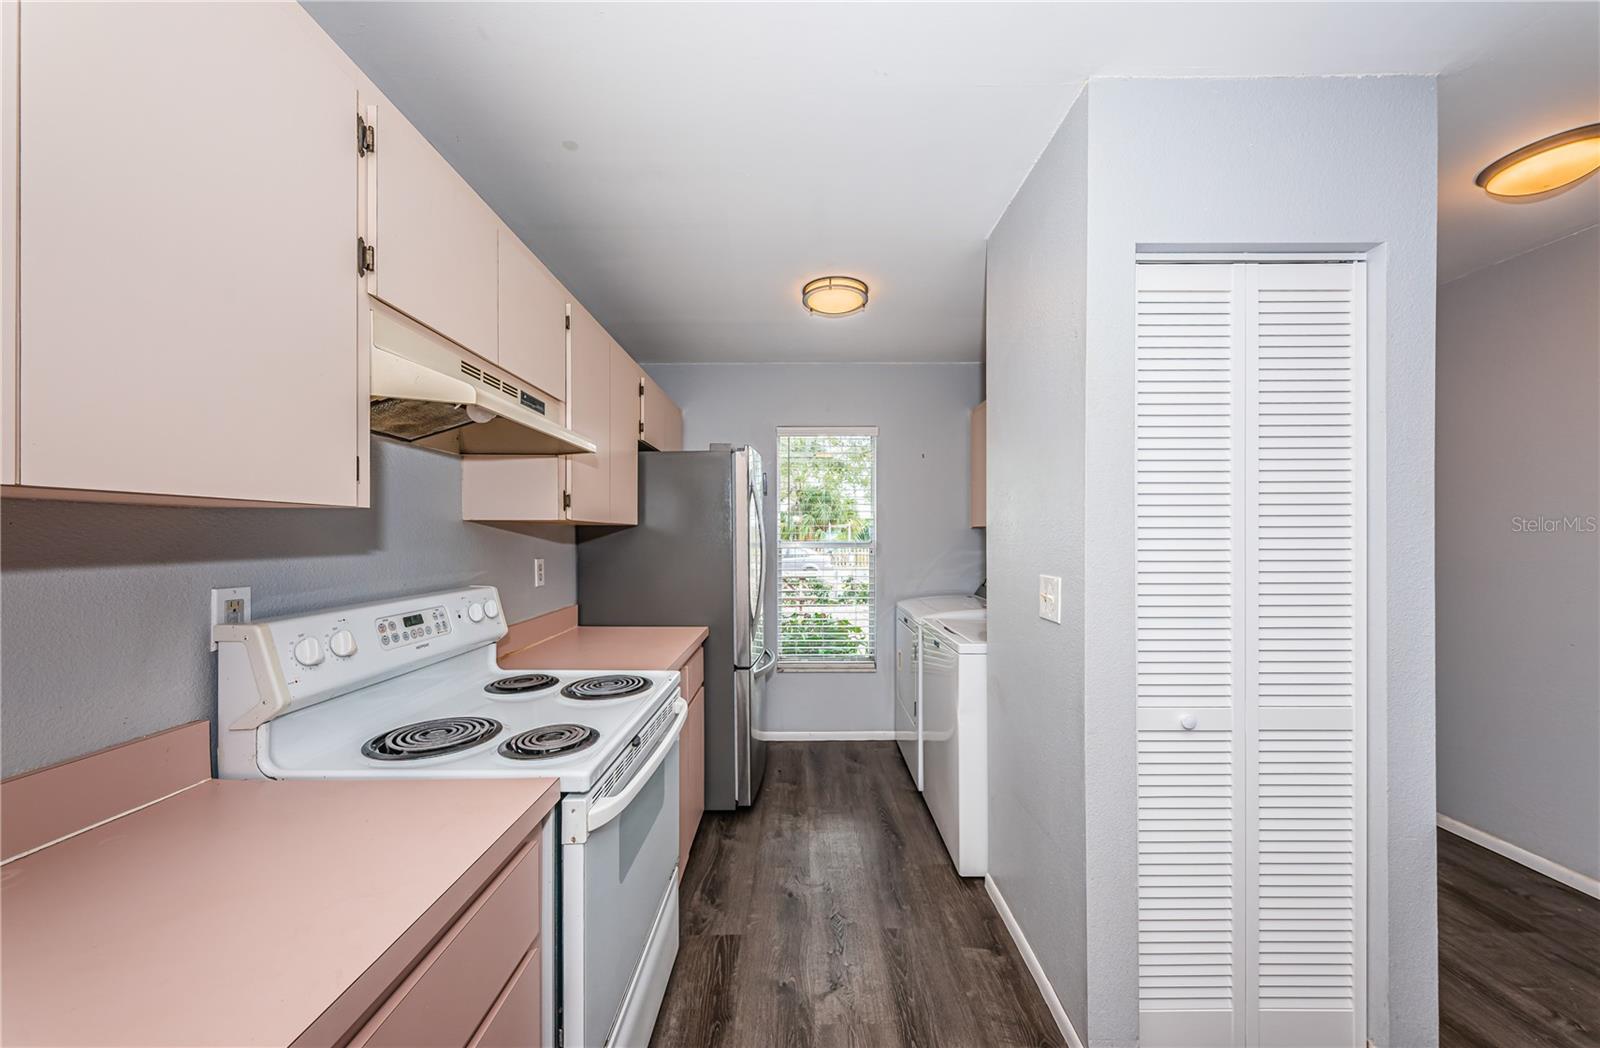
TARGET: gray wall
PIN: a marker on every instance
(103, 608)
(1234, 164)
(1035, 348)
(1519, 606)
(1304, 162)
(924, 542)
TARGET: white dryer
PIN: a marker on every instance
(955, 734)
(908, 618)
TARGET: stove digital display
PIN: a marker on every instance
(413, 627)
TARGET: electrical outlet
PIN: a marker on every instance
(230, 606)
(538, 572)
(1050, 597)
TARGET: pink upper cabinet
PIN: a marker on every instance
(189, 296)
(625, 428)
(435, 242)
(533, 315)
(662, 420)
(589, 413)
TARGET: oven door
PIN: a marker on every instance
(615, 873)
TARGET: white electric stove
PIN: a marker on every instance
(411, 688)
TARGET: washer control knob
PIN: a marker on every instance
(491, 608)
(342, 643)
(475, 611)
(308, 651)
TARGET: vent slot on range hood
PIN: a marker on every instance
(424, 387)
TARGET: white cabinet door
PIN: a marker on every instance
(188, 312)
(436, 243)
(1250, 549)
(533, 318)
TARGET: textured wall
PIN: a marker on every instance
(924, 542)
(1519, 605)
(1307, 164)
(1339, 162)
(1035, 351)
(103, 608)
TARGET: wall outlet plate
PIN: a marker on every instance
(229, 606)
(538, 572)
(1050, 597)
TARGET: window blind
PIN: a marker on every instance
(827, 548)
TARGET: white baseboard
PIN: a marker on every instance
(1063, 1022)
(825, 736)
(1537, 863)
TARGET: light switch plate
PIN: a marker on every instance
(229, 606)
(538, 572)
(1050, 597)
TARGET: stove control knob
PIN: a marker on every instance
(475, 611)
(342, 643)
(491, 608)
(308, 652)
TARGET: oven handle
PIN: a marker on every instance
(604, 811)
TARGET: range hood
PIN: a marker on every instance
(425, 390)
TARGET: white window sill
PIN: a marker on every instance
(827, 667)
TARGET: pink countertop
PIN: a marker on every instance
(610, 648)
(241, 913)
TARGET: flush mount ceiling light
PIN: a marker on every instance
(1547, 164)
(834, 296)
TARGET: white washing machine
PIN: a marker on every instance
(908, 619)
(955, 734)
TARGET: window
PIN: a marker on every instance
(827, 548)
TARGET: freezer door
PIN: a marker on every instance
(746, 565)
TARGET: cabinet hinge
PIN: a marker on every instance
(569, 321)
(358, 469)
(366, 256)
(366, 136)
(641, 389)
(566, 500)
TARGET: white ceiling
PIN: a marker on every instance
(684, 168)
(1532, 82)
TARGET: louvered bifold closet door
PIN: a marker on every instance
(1249, 551)
(1305, 547)
(1187, 502)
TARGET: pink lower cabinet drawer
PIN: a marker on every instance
(513, 1022)
(450, 991)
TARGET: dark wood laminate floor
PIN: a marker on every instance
(1519, 955)
(829, 914)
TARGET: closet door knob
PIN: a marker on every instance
(1189, 721)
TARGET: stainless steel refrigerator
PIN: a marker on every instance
(698, 557)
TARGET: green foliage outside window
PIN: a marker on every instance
(825, 483)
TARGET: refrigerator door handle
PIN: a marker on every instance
(761, 590)
(765, 665)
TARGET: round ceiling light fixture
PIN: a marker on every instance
(834, 296)
(1542, 166)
